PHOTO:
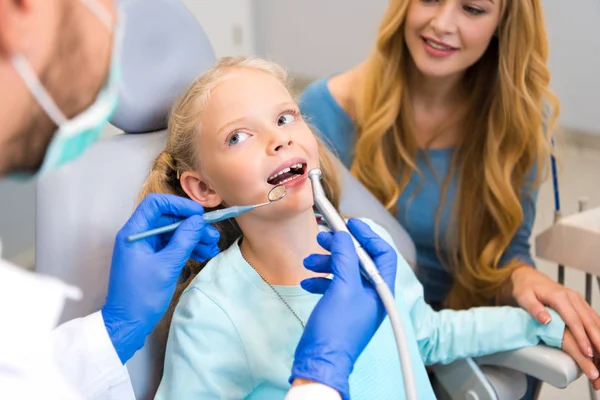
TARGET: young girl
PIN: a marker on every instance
(448, 124)
(233, 135)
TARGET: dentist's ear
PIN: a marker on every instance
(199, 190)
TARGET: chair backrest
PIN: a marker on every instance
(81, 206)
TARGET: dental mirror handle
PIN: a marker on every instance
(225, 213)
(210, 218)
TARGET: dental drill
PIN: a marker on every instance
(371, 273)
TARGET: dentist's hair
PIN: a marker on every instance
(506, 141)
(180, 154)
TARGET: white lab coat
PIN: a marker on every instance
(73, 361)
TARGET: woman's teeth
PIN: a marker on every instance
(437, 45)
(283, 171)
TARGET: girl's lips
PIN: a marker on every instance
(436, 51)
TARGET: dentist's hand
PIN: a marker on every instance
(350, 311)
(144, 273)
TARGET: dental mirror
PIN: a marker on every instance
(275, 194)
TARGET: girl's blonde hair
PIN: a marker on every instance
(180, 154)
(504, 118)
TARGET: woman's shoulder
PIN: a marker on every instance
(335, 91)
(325, 109)
(318, 103)
(327, 102)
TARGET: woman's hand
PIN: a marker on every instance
(586, 364)
(532, 290)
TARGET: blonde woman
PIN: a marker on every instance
(448, 123)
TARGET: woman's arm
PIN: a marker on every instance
(205, 358)
(520, 247)
(449, 335)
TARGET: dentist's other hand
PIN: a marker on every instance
(144, 273)
(350, 311)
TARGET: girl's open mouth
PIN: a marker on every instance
(287, 174)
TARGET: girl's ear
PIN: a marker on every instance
(199, 190)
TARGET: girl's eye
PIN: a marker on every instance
(286, 118)
(237, 137)
(474, 10)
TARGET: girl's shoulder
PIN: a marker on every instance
(218, 271)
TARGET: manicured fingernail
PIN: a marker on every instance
(590, 352)
(594, 374)
(545, 317)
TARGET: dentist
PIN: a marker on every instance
(58, 72)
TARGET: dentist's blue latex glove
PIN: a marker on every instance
(144, 273)
(350, 311)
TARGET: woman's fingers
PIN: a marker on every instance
(585, 363)
(589, 318)
(561, 302)
(533, 306)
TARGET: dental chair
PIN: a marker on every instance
(81, 207)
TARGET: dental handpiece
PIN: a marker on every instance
(369, 270)
(337, 223)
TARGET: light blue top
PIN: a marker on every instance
(231, 337)
(416, 209)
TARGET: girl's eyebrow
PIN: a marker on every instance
(227, 126)
(230, 124)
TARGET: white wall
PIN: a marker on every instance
(314, 38)
(575, 61)
(227, 23)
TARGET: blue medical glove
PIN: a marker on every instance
(350, 311)
(144, 273)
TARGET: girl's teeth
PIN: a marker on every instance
(288, 179)
(437, 46)
(283, 171)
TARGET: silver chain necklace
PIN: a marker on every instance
(274, 290)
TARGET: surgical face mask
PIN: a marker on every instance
(75, 135)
